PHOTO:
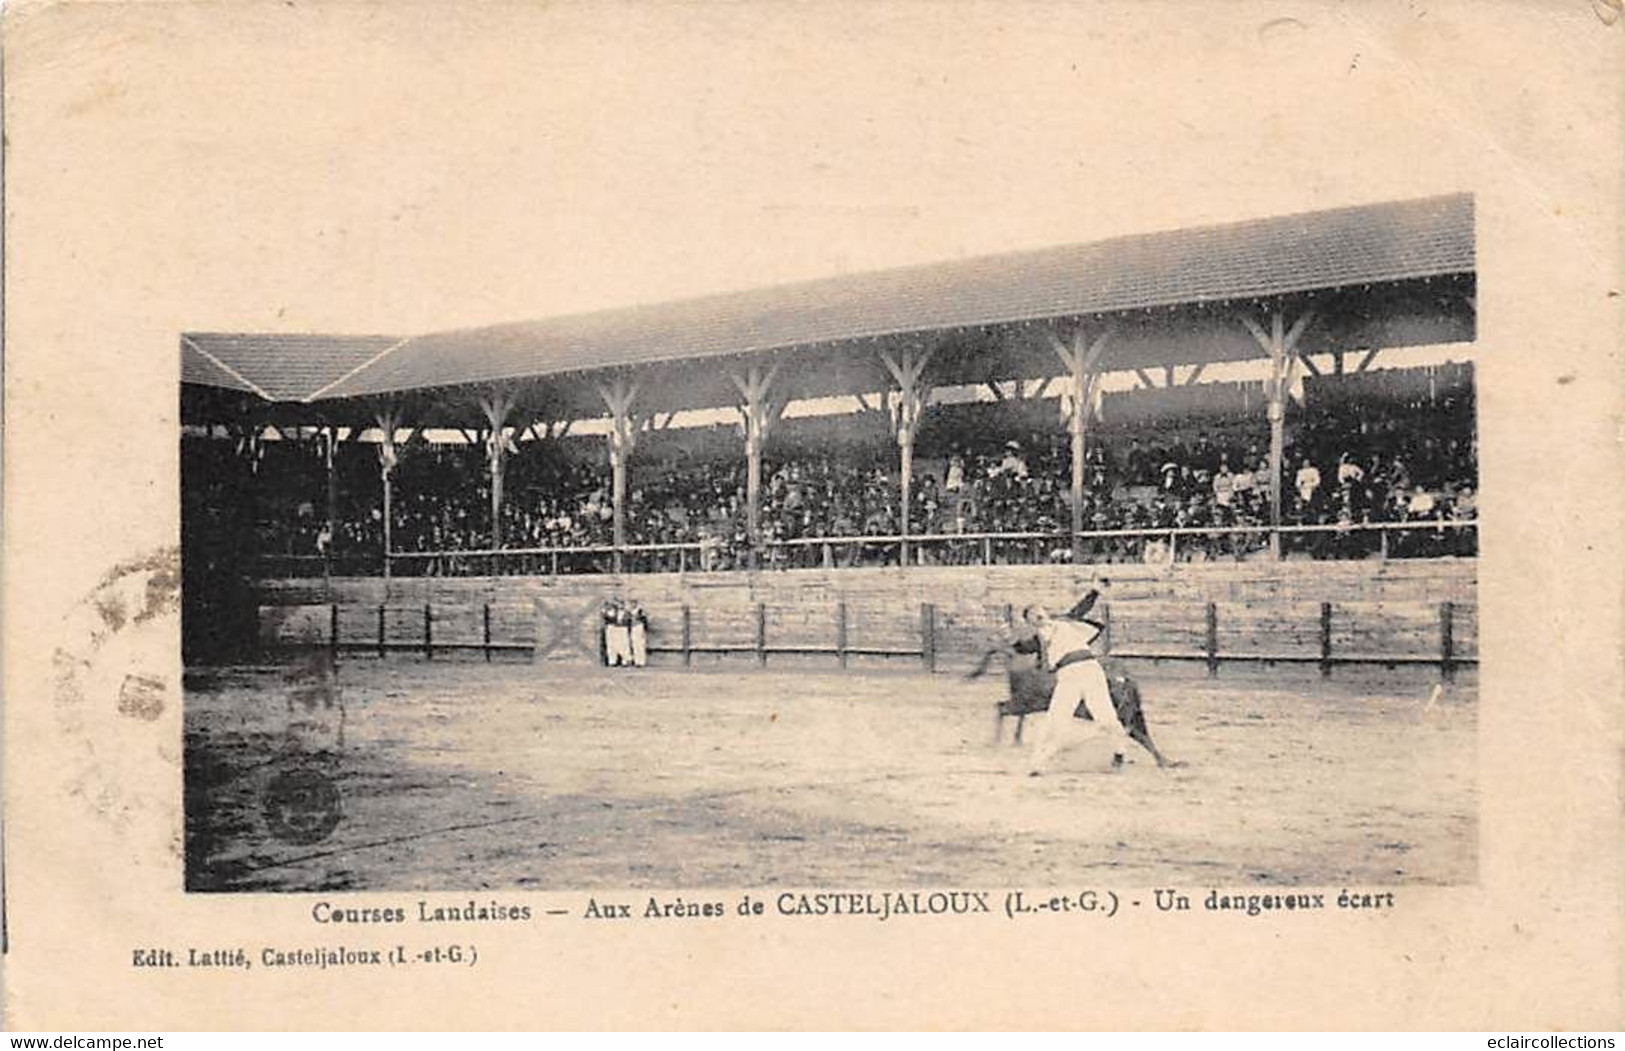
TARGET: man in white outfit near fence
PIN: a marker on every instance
(617, 635)
(1068, 645)
(639, 635)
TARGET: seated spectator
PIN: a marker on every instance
(1348, 472)
(1308, 482)
(1224, 485)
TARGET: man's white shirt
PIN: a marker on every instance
(1063, 637)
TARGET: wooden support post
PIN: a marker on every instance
(496, 405)
(913, 395)
(381, 640)
(619, 398)
(389, 422)
(486, 610)
(249, 447)
(1105, 629)
(1325, 640)
(987, 551)
(333, 629)
(388, 518)
(1277, 418)
(330, 439)
(759, 411)
(840, 631)
(688, 636)
(928, 636)
(1009, 617)
(1281, 346)
(428, 632)
(1081, 361)
(1447, 641)
(906, 482)
(1211, 642)
(1076, 425)
(761, 632)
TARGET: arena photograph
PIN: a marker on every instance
(1148, 560)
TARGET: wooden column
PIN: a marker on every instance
(619, 398)
(1210, 644)
(496, 405)
(387, 469)
(759, 410)
(248, 441)
(1281, 345)
(1447, 641)
(1325, 640)
(389, 423)
(330, 440)
(906, 369)
(1081, 361)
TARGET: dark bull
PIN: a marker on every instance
(1031, 685)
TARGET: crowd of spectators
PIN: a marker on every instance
(1349, 463)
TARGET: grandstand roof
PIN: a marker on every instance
(820, 326)
(276, 366)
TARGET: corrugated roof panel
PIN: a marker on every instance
(288, 366)
(199, 369)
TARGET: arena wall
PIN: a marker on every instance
(1397, 612)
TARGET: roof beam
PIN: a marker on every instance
(1074, 356)
(381, 355)
(233, 373)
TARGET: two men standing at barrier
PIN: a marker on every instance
(626, 634)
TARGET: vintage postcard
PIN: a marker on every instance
(916, 515)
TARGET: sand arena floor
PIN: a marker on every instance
(461, 775)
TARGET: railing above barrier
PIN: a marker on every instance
(1162, 545)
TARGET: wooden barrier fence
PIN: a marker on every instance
(1325, 634)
